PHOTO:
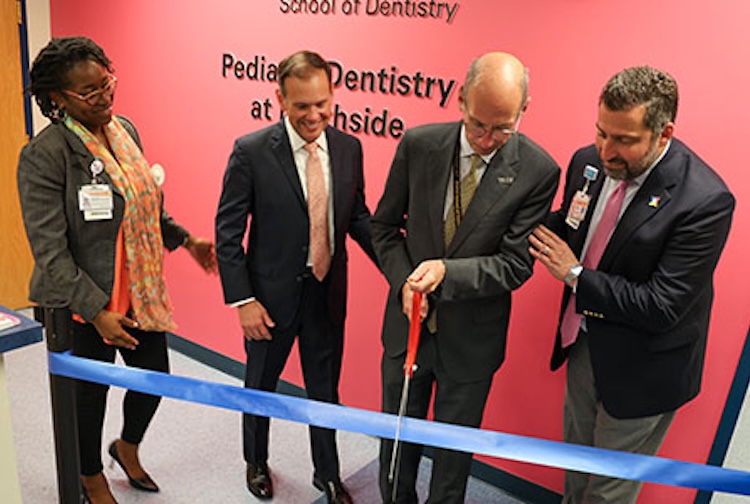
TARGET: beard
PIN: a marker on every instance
(619, 169)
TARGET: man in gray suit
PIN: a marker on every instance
(460, 202)
(302, 182)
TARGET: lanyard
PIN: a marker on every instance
(457, 213)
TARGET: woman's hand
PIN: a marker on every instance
(110, 326)
(204, 253)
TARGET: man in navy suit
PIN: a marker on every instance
(302, 184)
(635, 311)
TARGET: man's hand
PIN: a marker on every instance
(110, 326)
(406, 299)
(204, 253)
(552, 251)
(427, 276)
(255, 321)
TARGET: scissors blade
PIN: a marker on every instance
(409, 367)
(396, 450)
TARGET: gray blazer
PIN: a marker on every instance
(488, 257)
(73, 259)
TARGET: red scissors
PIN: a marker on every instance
(409, 368)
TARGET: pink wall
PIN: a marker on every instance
(168, 56)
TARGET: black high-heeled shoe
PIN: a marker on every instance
(145, 483)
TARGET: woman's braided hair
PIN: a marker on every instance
(51, 66)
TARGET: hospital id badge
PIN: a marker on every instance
(95, 201)
(578, 208)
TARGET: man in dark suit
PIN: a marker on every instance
(459, 203)
(649, 219)
(302, 183)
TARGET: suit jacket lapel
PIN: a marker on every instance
(497, 179)
(282, 150)
(651, 198)
(439, 163)
(340, 180)
(85, 157)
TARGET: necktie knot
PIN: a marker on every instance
(476, 162)
(311, 148)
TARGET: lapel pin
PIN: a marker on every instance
(654, 201)
(505, 180)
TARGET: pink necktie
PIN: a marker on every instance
(317, 210)
(571, 321)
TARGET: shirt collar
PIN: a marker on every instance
(297, 142)
(638, 181)
(466, 149)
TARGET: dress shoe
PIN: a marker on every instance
(95, 490)
(259, 481)
(335, 491)
(144, 483)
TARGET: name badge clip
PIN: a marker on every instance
(96, 168)
(580, 204)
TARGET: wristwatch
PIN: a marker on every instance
(573, 273)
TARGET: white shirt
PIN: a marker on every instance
(300, 160)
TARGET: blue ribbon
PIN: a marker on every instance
(495, 444)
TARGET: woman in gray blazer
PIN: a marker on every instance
(94, 218)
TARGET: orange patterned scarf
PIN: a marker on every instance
(141, 224)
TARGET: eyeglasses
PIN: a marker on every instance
(478, 130)
(92, 98)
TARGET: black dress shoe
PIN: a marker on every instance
(144, 483)
(259, 481)
(335, 491)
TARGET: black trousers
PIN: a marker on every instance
(91, 398)
(320, 349)
(455, 402)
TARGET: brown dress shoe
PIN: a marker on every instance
(335, 491)
(259, 481)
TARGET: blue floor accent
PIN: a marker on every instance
(497, 478)
(729, 417)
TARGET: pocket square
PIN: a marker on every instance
(506, 180)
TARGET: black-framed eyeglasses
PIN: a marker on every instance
(92, 98)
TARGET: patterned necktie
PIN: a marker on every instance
(468, 187)
(571, 321)
(317, 210)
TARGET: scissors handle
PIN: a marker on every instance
(415, 326)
